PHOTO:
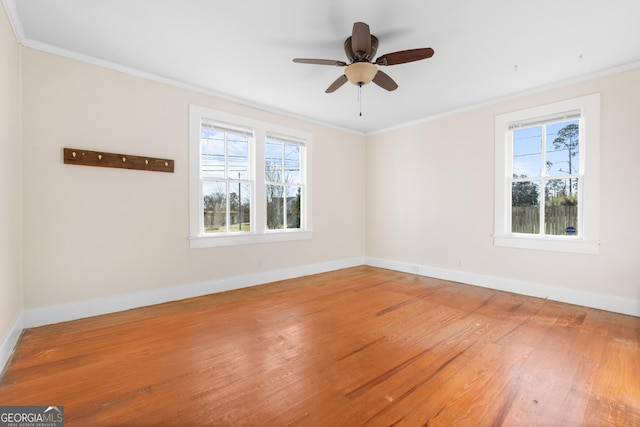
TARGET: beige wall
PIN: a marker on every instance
(430, 196)
(96, 232)
(10, 288)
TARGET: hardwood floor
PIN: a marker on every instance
(361, 346)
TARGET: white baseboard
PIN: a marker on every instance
(9, 343)
(76, 310)
(572, 296)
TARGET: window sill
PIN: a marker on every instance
(578, 246)
(197, 242)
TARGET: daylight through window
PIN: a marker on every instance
(547, 177)
(226, 180)
(249, 180)
(284, 184)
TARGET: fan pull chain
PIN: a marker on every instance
(360, 97)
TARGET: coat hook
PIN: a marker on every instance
(112, 160)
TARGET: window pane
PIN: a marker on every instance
(293, 206)
(292, 163)
(239, 206)
(215, 206)
(562, 148)
(275, 204)
(273, 161)
(525, 207)
(238, 156)
(212, 153)
(561, 207)
(527, 152)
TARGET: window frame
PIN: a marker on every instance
(287, 140)
(226, 177)
(259, 232)
(587, 242)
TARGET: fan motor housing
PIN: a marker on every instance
(348, 50)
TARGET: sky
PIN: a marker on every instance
(530, 159)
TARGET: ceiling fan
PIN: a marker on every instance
(360, 48)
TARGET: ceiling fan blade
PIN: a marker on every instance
(405, 56)
(320, 62)
(383, 80)
(335, 85)
(361, 40)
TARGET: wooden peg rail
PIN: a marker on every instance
(74, 156)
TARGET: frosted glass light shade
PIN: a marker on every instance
(361, 72)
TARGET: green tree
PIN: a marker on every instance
(524, 193)
(568, 139)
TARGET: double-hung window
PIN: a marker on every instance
(249, 181)
(284, 184)
(226, 179)
(547, 177)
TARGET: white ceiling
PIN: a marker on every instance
(243, 49)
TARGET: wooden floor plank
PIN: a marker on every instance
(360, 346)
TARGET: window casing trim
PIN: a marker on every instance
(589, 239)
(259, 233)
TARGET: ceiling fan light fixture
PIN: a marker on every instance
(360, 47)
(361, 72)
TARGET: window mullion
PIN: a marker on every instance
(508, 190)
(227, 183)
(303, 189)
(283, 180)
(259, 209)
(543, 175)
